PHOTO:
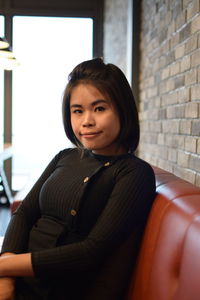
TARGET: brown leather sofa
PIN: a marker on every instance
(168, 266)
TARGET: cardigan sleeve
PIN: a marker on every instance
(17, 233)
(127, 207)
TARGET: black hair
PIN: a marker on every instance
(111, 82)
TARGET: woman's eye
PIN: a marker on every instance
(77, 111)
(99, 108)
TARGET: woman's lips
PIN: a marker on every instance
(90, 134)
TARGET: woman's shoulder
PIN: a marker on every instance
(136, 161)
(135, 165)
(66, 152)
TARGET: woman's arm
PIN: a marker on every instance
(16, 265)
(26, 215)
(7, 286)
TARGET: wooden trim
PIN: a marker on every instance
(6, 152)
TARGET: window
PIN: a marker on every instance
(47, 49)
(1, 88)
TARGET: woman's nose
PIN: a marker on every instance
(88, 120)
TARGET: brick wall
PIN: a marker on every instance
(170, 86)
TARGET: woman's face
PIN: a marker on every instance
(95, 121)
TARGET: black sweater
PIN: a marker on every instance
(98, 200)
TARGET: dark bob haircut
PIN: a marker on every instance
(112, 83)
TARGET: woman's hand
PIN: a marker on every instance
(7, 288)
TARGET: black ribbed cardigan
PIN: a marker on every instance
(99, 199)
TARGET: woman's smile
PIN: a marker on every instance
(88, 135)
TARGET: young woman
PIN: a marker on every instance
(87, 202)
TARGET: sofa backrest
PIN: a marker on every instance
(168, 266)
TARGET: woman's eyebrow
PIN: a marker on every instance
(75, 105)
(99, 101)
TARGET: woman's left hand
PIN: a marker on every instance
(7, 288)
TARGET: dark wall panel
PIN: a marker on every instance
(52, 4)
(57, 5)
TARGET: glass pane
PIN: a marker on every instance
(47, 49)
(1, 88)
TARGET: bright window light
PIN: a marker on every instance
(47, 49)
(1, 89)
